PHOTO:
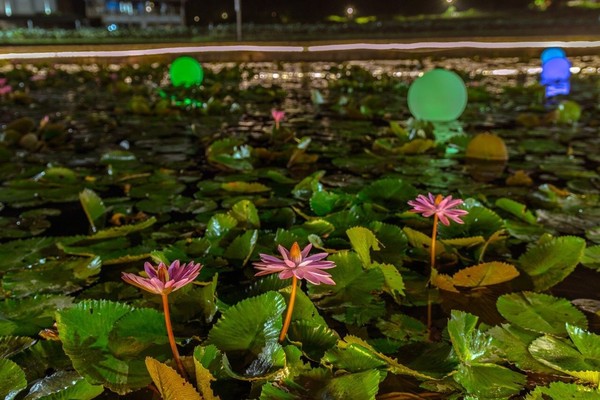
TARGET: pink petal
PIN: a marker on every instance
(306, 250)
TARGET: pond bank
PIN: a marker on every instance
(308, 51)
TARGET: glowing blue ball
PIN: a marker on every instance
(556, 75)
(186, 71)
(552, 52)
(438, 96)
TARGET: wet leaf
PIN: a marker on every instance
(540, 312)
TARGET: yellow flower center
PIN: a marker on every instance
(438, 199)
(295, 254)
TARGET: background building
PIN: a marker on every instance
(135, 13)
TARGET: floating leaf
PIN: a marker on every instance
(563, 390)
(393, 193)
(363, 240)
(169, 383)
(591, 257)
(485, 274)
(489, 381)
(245, 213)
(540, 312)
(517, 209)
(580, 358)
(86, 333)
(64, 385)
(314, 339)
(30, 315)
(123, 230)
(470, 344)
(394, 284)
(93, 207)
(230, 154)
(353, 291)
(12, 379)
(245, 187)
(11, 345)
(203, 357)
(514, 343)
(242, 246)
(251, 329)
(550, 262)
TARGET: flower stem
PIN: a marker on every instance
(165, 302)
(288, 316)
(431, 274)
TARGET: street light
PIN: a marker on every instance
(237, 5)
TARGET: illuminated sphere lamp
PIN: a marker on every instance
(555, 76)
(438, 96)
(186, 71)
(552, 52)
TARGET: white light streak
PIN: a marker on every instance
(301, 49)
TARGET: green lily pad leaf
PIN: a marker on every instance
(94, 208)
(304, 309)
(308, 186)
(64, 276)
(219, 226)
(550, 262)
(489, 381)
(245, 187)
(249, 332)
(517, 209)
(169, 383)
(360, 386)
(230, 154)
(85, 331)
(352, 298)
(480, 221)
(28, 316)
(246, 214)
(393, 241)
(394, 284)
(12, 379)
(242, 246)
(125, 338)
(322, 203)
(389, 192)
(314, 339)
(514, 343)
(124, 230)
(579, 358)
(540, 312)
(563, 390)
(317, 226)
(404, 328)
(470, 344)
(20, 253)
(354, 354)
(64, 385)
(363, 240)
(11, 345)
(204, 358)
(591, 257)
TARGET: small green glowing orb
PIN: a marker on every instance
(186, 71)
(438, 96)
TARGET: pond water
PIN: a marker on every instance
(106, 166)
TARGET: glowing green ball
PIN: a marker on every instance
(186, 71)
(438, 96)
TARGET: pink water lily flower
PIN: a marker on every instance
(296, 263)
(162, 280)
(4, 88)
(278, 116)
(442, 207)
